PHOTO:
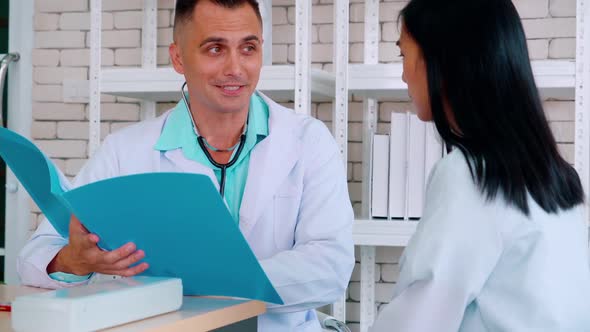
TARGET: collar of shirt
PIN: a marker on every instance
(178, 131)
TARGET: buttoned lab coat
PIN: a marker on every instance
(296, 214)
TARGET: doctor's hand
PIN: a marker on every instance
(82, 256)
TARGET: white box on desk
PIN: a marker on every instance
(96, 306)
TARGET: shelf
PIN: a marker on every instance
(163, 84)
(381, 81)
(376, 232)
(555, 80)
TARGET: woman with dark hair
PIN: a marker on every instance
(503, 241)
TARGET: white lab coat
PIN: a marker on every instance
(478, 265)
(296, 213)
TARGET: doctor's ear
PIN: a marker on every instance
(176, 59)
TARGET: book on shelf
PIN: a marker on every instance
(414, 149)
(398, 165)
(380, 176)
(416, 166)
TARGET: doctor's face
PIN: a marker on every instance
(219, 51)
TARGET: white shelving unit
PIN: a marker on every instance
(163, 84)
(557, 79)
(582, 91)
(365, 232)
(388, 233)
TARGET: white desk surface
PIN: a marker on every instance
(196, 314)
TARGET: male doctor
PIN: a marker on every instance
(280, 174)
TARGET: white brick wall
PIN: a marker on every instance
(46, 21)
(81, 57)
(118, 5)
(58, 111)
(562, 27)
(563, 8)
(560, 48)
(56, 75)
(120, 38)
(59, 39)
(61, 6)
(532, 8)
(81, 21)
(44, 130)
(49, 58)
(78, 130)
(61, 52)
(63, 148)
(128, 57)
(129, 20)
(538, 49)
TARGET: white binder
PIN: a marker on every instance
(380, 177)
(416, 159)
(398, 151)
(414, 150)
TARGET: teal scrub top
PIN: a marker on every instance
(178, 133)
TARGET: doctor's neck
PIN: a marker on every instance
(221, 129)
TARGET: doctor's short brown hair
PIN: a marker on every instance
(184, 9)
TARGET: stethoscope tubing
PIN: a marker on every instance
(222, 167)
(201, 141)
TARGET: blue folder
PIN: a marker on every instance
(178, 219)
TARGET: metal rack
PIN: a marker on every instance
(557, 79)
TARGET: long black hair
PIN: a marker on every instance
(477, 61)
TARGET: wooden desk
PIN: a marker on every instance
(196, 314)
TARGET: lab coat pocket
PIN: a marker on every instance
(285, 220)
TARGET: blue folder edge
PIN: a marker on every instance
(221, 247)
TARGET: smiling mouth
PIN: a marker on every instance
(231, 90)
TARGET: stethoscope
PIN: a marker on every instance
(205, 145)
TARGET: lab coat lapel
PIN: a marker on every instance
(271, 161)
(177, 158)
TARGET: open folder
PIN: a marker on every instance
(178, 219)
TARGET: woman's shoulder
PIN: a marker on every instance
(452, 171)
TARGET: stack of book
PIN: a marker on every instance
(402, 162)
